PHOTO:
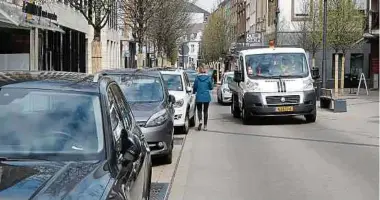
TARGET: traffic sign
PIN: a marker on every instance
(253, 38)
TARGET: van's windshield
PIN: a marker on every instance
(277, 65)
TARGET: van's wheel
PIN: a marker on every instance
(311, 118)
(235, 110)
(245, 117)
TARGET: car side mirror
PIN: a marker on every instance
(171, 99)
(315, 73)
(238, 76)
(129, 148)
(189, 89)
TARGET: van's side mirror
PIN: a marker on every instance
(171, 99)
(189, 89)
(238, 76)
(129, 148)
(315, 73)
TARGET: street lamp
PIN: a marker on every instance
(324, 45)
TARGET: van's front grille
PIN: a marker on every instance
(281, 100)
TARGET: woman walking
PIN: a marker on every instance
(202, 86)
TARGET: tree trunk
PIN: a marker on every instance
(336, 75)
(342, 76)
(96, 51)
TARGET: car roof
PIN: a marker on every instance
(271, 50)
(49, 80)
(176, 72)
(229, 73)
(141, 71)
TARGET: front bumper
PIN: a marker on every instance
(179, 117)
(255, 105)
(226, 97)
(159, 138)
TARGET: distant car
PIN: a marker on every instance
(69, 136)
(223, 93)
(179, 85)
(152, 107)
(192, 74)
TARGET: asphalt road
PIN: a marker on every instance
(283, 158)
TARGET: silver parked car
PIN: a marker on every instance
(223, 92)
(152, 107)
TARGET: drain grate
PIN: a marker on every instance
(178, 141)
(158, 191)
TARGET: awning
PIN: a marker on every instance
(42, 23)
(13, 15)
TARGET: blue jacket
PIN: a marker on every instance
(202, 86)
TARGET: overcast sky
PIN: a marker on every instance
(207, 4)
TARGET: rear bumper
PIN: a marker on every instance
(254, 105)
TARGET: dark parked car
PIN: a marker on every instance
(64, 136)
(151, 105)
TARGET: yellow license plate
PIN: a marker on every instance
(285, 109)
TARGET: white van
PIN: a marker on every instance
(273, 82)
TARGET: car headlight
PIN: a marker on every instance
(252, 86)
(158, 118)
(179, 103)
(226, 90)
(308, 85)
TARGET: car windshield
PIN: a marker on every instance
(40, 122)
(192, 76)
(228, 78)
(173, 82)
(277, 65)
(141, 88)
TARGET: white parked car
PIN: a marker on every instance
(223, 92)
(179, 86)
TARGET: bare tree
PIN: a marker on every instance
(97, 13)
(345, 27)
(136, 14)
(169, 24)
(310, 35)
(217, 36)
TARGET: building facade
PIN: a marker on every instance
(190, 47)
(51, 36)
(371, 36)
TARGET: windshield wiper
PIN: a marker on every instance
(34, 158)
(288, 76)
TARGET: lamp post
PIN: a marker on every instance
(324, 45)
(276, 23)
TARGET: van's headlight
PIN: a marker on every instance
(158, 118)
(308, 84)
(179, 103)
(252, 86)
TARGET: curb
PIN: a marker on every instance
(167, 194)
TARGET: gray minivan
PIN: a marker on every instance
(152, 107)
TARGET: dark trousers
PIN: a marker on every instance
(203, 105)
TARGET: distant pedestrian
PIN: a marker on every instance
(202, 86)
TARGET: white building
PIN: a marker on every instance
(58, 39)
(189, 51)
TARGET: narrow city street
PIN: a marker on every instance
(283, 158)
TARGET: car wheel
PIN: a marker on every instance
(311, 118)
(235, 110)
(168, 159)
(185, 128)
(147, 196)
(192, 120)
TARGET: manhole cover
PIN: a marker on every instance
(158, 191)
(178, 141)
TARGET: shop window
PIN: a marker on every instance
(14, 41)
(356, 65)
